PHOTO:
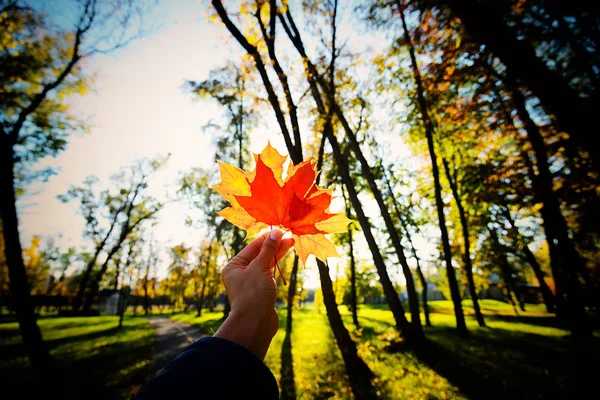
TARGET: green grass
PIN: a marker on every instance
(95, 358)
(525, 356)
(209, 322)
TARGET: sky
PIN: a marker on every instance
(140, 108)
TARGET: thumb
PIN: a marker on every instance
(269, 249)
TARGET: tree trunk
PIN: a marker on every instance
(358, 372)
(429, 131)
(353, 302)
(547, 295)
(402, 324)
(288, 386)
(404, 224)
(40, 359)
(452, 282)
(467, 243)
(122, 306)
(145, 283)
(200, 304)
(413, 299)
(424, 291)
(134, 303)
(565, 260)
(505, 269)
(94, 287)
(414, 330)
(484, 23)
(146, 300)
(85, 277)
(291, 295)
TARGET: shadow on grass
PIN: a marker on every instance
(288, 385)
(18, 349)
(550, 321)
(97, 365)
(505, 364)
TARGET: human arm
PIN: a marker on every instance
(229, 365)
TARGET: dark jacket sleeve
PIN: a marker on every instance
(212, 368)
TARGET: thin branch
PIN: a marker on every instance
(270, 41)
(85, 23)
(273, 98)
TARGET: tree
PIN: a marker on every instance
(38, 270)
(360, 374)
(453, 182)
(91, 206)
(404, 217)
(316, 82)
(205, 258)
(489, 24)
(229, 86)
(147, 281)
(127, 206)
(547, 295)
(429, 132)
(40, 63)
(353, 305)
(179, 271)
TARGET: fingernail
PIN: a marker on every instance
(275, 234)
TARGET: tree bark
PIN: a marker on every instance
(122, 306)
(291, 295)
(565, 260)
(353, 302)
(484, 23)
(467, 242)
(145, 283)
(429, 131)
(202, 291)
(38, 355)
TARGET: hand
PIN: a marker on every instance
(252, 292)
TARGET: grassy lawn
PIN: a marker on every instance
(525, 356)
(97, 360)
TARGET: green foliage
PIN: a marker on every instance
(34, 55)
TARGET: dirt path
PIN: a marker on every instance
(171, 338)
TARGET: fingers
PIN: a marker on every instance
(269, 249)
(284, 246)
(249, 252)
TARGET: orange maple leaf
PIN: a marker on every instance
(262, 198)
